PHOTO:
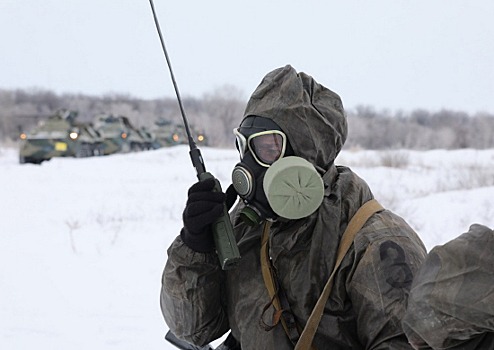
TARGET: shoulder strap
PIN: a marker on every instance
(277, 298)
(355, 224)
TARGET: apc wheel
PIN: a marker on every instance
(135, 147)
(84, 151)
(125, 148)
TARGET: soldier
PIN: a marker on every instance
(451, 303)
(292, 192)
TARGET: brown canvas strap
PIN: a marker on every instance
(355, 224)
(278, 299)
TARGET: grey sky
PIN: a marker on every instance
(388, 54)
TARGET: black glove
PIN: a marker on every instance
(203, 207)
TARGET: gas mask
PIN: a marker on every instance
(271, 181)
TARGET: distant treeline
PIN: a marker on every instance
(419, 129)
(219, 112)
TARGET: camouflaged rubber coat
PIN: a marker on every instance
(200, 302)
(452, 299)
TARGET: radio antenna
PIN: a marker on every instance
(195, 153)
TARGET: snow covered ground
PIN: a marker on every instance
(83, 241)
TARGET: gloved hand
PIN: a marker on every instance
(203, 207)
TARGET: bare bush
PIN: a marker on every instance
(395, 159)
(72, 225)
(475, 176)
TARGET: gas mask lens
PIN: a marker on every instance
(266, 146)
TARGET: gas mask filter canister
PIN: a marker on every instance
(293, 187)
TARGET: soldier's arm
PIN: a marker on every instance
(191, 295)
(379, 289)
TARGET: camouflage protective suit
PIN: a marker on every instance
(200, 302)
(451, 304)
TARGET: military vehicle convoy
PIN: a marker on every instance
(60, 136)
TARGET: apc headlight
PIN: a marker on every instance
(73, 135)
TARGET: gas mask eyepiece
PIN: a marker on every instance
(265, 146)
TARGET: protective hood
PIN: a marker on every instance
(311, 115)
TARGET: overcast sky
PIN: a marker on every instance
(388, 54)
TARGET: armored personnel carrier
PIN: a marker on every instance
(119, 135)
(61, 135)
(167, 133)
